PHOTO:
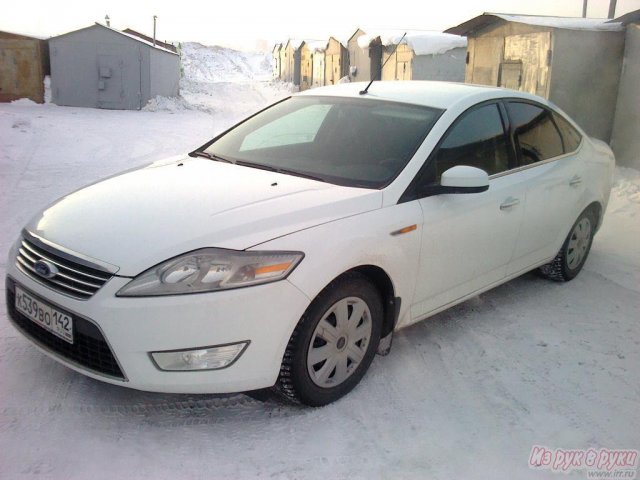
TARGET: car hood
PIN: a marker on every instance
(143, 217)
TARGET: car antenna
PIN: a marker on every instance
(366, 90)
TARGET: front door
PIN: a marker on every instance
(468, 239)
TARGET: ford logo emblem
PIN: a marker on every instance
(45, 269)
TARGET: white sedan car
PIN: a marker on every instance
(285, 252)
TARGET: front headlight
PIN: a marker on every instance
(211, 269)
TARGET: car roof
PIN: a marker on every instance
(442, 95)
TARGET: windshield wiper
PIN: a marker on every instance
(285, 171)
(210, 156)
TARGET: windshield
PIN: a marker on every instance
(346, 141)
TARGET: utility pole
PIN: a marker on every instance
(584, 8)
(612, 8)
(155, 17)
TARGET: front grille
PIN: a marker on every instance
(73, 279)
(88, 350)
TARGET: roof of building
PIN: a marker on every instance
(568, 23)
(627, 18)
(149, 39)
(432, 94)
(133, 37)
(22, 36)
(422, 42)
(295, 43)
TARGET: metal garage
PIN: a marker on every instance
(101, 67)
(336, 62)
(277, 67)
(24, 62)
(625, 139)
(290, 58)
(574, 62)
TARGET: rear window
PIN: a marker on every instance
(536, 135)
(571, 138)
(347, 141)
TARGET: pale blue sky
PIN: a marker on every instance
(248, 24)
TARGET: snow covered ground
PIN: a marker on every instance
(464, 395)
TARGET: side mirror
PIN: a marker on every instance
(462, 179)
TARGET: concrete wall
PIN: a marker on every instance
(585, 74)
(164, 71)
(448, 66)
(625, 139)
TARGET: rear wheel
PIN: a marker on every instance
(333, 344)
(574, 251)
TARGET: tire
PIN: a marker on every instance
(574, 251)
(333, 344)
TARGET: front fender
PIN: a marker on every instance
(365, 239)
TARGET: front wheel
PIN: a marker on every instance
(333, 344)
(574, 251)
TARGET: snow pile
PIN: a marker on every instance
(569, 23)
(222, 81)
(625, 194)
(24, 102)
(421, 42)
(201, 63)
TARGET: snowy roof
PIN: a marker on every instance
(627, 18)
(295, 43)
(567, 23)
(133, 37)
(316, 45)
(570, 23)
(421, 42)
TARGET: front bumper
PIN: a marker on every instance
(133, 327)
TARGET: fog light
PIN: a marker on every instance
(210, 358)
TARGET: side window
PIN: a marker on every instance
(571, 138)
(477, 140)
(536, 136)
(301, 127)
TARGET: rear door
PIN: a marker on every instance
(547, 147)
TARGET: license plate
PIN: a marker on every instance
(52, 320)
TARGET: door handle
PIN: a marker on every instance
(575, 181)
(509, 202)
